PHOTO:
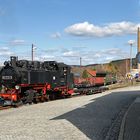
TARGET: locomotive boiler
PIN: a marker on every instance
(25, 81)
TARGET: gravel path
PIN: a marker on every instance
(79, 118)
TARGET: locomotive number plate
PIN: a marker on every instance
(6, 77)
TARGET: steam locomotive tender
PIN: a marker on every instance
(25, 81)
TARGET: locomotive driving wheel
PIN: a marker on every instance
(29, 96)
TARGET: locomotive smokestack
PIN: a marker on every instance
(13, 60)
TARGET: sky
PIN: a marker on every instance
(97, 31)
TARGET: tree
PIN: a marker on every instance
(94, 68)
(84, 75)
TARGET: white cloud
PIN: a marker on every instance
(56, 35)
(48, 51)
(47, 57)
(70, 54)
(90, 30)
(5, 51)
(98, 55)
(18, 42)
(92, 57)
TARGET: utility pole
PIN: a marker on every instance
(32, 51)
(131, 43)
(131, 57)
(80, 61)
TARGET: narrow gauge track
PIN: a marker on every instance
(79, 92)
(5, 107)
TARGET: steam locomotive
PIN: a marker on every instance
(23, 81)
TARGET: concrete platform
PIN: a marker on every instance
(130, 128)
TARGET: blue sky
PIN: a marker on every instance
(64, 30)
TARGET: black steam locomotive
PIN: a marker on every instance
(25, 81)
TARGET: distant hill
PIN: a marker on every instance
(117, 67)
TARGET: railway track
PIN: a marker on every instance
(5, 107)
(79, 92)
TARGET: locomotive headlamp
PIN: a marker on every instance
(17, 87)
